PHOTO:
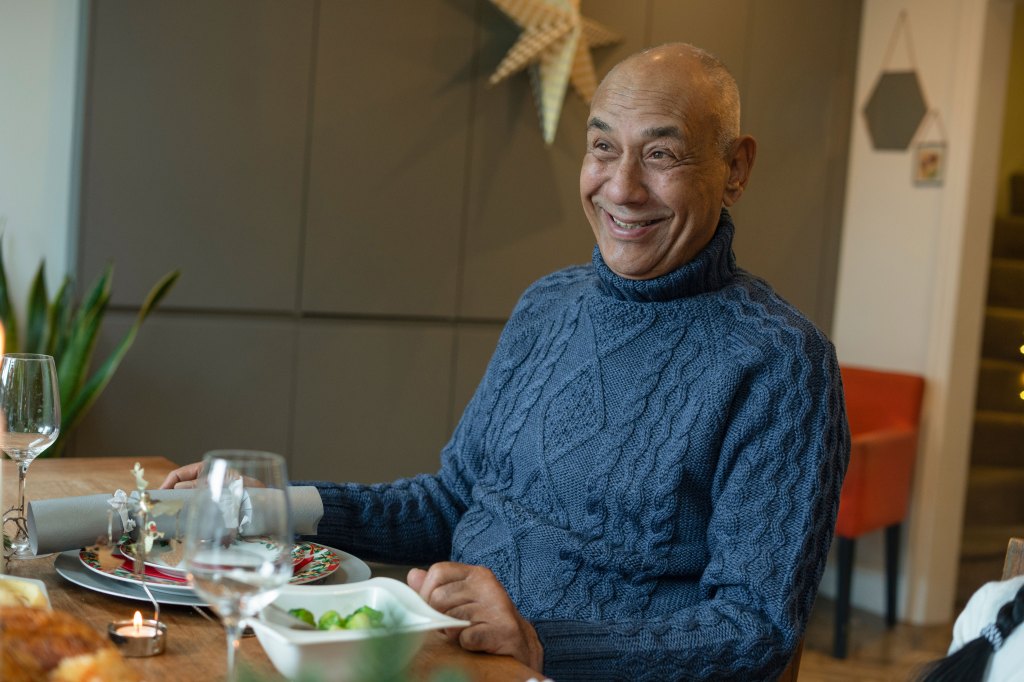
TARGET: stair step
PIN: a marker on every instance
(1004, 334)
(989, 540)
(973, 574)
(998, 440)
(1008, 237)
(994, 496)
(1006, 283)
(999, 386)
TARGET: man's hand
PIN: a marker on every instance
(183, 477)
(473, 593)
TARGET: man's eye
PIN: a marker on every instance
(603, 146)
(659, 155)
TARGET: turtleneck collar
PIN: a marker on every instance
(710, 270)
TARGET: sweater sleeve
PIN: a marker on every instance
(775, 498)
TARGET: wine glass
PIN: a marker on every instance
(238, 536)
(29, 423)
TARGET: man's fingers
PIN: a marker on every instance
(439, 574)
(481, 637)
(448, 596)
(183, 477)
(415, 578)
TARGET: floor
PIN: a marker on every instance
(876, 654)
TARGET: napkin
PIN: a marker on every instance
(65, 523)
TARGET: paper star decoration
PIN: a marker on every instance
(555, 44)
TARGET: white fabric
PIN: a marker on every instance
(1007, 664)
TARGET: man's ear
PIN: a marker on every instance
(744, 152)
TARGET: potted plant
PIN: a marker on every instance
(68, 331)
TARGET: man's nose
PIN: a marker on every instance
(627, 186)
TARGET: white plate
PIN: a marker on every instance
(70, 568)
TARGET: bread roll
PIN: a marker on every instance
(34, 642)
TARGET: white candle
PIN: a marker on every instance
(137, 629)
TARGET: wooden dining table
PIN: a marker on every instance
(195, 647)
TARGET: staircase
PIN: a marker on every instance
(995, 490)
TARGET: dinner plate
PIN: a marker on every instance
(70, 567)
(312, 561)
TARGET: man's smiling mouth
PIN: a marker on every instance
(633, 226)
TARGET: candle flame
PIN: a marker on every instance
(4, 338)
(137, 620)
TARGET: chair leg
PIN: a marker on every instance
(892, 556)
(846, 546)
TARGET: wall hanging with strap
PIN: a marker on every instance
(897, 104)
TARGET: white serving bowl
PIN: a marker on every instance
(340, 655)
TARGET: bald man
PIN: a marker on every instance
(645, 483)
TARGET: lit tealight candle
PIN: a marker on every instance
(138, 637)
(137, 629)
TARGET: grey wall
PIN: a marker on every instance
(355, 211)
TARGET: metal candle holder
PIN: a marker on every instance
(136, 642)
(145, 637)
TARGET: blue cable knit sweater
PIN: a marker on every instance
(650, 468)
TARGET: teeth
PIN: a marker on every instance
(631, 226)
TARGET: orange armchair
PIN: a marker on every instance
(884, 410)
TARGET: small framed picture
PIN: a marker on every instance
(929, 164)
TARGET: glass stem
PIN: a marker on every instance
(233, 629)
(22, 473)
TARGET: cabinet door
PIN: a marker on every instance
(194, 147)
(388, 157)
(190, 384)
(372, 400)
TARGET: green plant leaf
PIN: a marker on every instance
(59, 320)
(35, 327)
(7, 317)
(74, 362)
(84, 399)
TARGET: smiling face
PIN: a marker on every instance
(655, 177)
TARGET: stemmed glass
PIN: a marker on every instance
(29, 423)
(238, 536)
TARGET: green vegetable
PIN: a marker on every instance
(364, 618)
(304, 615)
(331, 620)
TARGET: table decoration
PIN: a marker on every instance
(138, 637)
(64, 523)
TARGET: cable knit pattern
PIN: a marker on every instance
(651, 469)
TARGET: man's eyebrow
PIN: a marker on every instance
(595, 122)
(663, 131)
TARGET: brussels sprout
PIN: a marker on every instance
(331, 620)
(364, 618)
(304, 615)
